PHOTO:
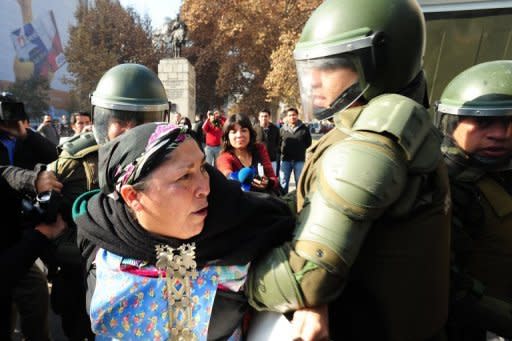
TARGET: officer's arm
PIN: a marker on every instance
(357, 180)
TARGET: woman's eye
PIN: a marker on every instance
(184, 176)
(203, 168)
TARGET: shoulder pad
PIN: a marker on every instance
(398, 116)
(77, 145)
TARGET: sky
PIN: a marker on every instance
(156, 9)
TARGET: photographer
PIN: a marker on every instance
(212, 128)
(20, 247)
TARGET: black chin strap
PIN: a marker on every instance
(349, 96)
(415, 90)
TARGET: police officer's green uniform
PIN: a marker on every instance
(77, 166)
(482, 205)
(373, 199)
(125, 93)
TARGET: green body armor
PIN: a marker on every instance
(481, 246)
(373, 201)
(77, 166)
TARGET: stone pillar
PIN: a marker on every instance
(179, 79)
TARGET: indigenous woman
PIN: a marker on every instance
(168, 240)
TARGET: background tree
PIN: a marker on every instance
(242, 49)
(34, 93)
(106, 35)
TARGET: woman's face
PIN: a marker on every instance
(174, 200)
(239, 137)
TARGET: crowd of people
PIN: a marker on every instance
(399, 227)
(267, 152)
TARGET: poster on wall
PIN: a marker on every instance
(39, 42)
(33, 37)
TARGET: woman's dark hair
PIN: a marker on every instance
(244, 122)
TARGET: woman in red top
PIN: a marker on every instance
(240, 150)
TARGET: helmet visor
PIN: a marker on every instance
(329, 85)
(103, 118)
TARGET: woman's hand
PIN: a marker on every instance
(260, 183)
(311, 324)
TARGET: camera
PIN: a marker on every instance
(217, 123)
(43, 209)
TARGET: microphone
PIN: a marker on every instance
(244, 176)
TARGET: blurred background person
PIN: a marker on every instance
(212, 129)
(295, 139)
(80, 121)
(64, 127)
(48, 129)
(240, 150)
(268, 134)
(186, 122)
(197, 128)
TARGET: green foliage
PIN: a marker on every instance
(242, 49)
(106, 35)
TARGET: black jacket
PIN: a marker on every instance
(294, 142)
(19, 248)
(270, 138)
(32, 150)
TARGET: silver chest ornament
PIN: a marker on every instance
(179, 266)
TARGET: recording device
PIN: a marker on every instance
(43, 209)
(10, 109)
(244, 176)
(216, 118)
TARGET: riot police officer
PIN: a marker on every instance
(126, 95)
(475, 115)
(372, 236)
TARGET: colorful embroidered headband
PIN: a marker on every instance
(162, 141)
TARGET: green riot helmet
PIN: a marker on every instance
(479, 98)
(379, 44)
(127, 94)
